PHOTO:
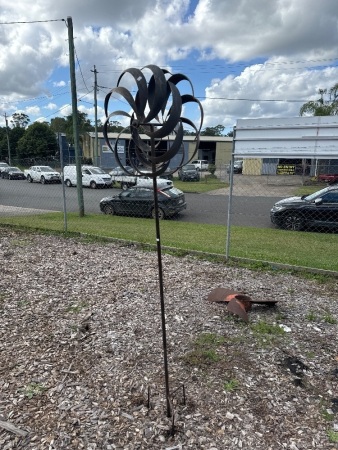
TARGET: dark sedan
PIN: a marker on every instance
(188, 173)
(139, 201)
(318, 211)
(12, 173)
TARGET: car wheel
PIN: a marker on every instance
(68, 183)
(43, 180)
(293, 221)
(29, 178)
(124, 186)
(9, 177)
(108, 209)
(161, 214)
(92, 185)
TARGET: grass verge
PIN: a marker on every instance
(305, 249)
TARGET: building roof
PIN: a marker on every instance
(145, 137)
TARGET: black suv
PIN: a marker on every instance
(318, 210)
(188, 173)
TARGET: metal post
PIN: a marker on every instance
(63, 185)
(96, 145)
(160, 272)
(8, 144)
(75, 118)
(227, 247)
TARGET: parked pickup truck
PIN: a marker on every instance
(127, 181)
(42, 174)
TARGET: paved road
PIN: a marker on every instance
(247, 209)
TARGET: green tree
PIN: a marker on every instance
(84, 126)
(213, 131)
(3, 144)
(39, 141)
(20, 120)
(325, 105)
(113, 127)
(58, 125)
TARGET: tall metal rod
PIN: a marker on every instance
(96, 145)
(160, 276)
(8, 144)
(75, 117)
(227, 245)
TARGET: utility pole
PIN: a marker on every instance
(96, 144)
(8, 145)
(75, 118)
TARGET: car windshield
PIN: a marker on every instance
(171, 191)
(13, 169)
(46, 169)
(97, 170)
(189, 167)
(316, 194)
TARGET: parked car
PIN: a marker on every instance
(139, 201)
(188, 173)
(329, 178)
(42, 174)
(91, 176)
(3, 165)
(12, 173)
(318, 210)
(200, 164)
(238, 166)
(117, 171)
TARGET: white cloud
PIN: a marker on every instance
(59, 83)
(249, 49)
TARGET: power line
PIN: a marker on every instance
(33, 21)
(77, 59)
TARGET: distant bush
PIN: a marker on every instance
(212, 169)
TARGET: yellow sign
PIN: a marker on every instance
(286, 169)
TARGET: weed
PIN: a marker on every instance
(209, 339)
(311, 316)
(263, 327)
(280, 316)
(76, 308)
(333, 436)
(33, 389)
(20, 242)
(23, 303)
(231, 385)
(328, 318)
(204, 352)
(327, 415)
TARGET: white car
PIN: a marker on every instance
(200, 164)
(42, 174)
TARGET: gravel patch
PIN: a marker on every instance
(81, 359)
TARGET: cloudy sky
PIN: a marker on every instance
(245, 58)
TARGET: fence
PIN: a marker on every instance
(240, 205)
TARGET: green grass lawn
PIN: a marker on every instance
(207, 183)
(306, 249)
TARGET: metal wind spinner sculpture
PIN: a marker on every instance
(155, 113)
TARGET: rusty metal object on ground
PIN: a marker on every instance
(238, 303)
(237, 307)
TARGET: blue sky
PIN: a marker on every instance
(245, 59)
